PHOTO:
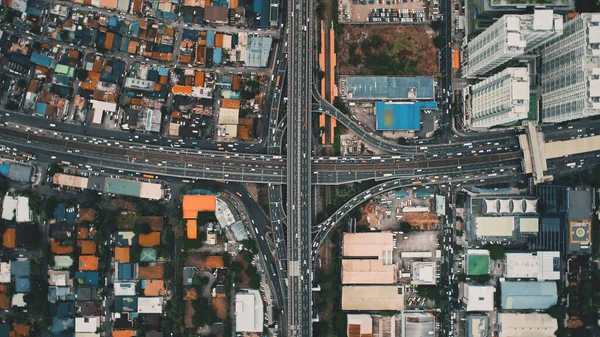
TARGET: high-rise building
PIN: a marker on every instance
(510, 37)
(570, 85)
(500, 99)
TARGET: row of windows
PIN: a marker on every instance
(564, 108)
(564, 60)
(565, 81)
(486, 38)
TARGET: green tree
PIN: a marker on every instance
(250, 245)
(405, 227)
(496, 252)
(429, 292)
(164, 110)
(203, 313)
(439, 41)
(321, 10)
(401, 141)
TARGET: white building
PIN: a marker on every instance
(87, 324)
(478, 298)
(509, 37)
(540, 265)
(526, 325)
(248, 311)
(570, 84)
(150, 305)
(500, 99)
(17, 209)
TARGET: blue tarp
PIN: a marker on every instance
(210, 38)
(218, 56)
(4, 168)
(400, 116)
(135, 28)
(40, 108)
(163, 71)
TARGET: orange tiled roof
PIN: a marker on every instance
(154, 288)
(230, 103)
(122, 254)
(190, 294)
(86, 214)
(149, 240)
(123, 333)
(83, 232)
(9, 239)
(88, 247)
(152, 272)
(192, 204)
(88, 263)
(20, 330)
(59, 249)
(192, 229)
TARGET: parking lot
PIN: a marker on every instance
(400, 11)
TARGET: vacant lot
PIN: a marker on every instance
(387, 50)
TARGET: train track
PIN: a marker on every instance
(138, 153)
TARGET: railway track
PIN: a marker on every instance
(137, 153)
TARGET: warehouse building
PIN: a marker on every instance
(369, 245)
(540, 265)
(526, 325)
(393, 88)
(368, 271)
(367, 298)
(528, 295)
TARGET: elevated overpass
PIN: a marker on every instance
(537, 151)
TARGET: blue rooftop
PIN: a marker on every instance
(22, 284)
(4, 168)
(217, 56)
(43, 60)
(20, 268)
(125, 271)
(60, 212)
(387, 87)
(528, 295)
(88, 278)
(40, 108)
(125, 303)
(400, 116)
(210, 38)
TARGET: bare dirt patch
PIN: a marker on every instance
(195, 260)
(189, 314)
(219, 305)
(245, 283)
(387, 50)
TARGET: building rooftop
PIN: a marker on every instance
(359, 325)
(478, 262)
(248, 311)
(367, 244)
(528, 295)
(367, 298)
(423, 273)
(526, 325)
(477, 326)
(389, 87)
(540, 265)
(478, 298)
(192, 204)
(355, 271)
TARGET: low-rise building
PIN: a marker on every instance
(367, 298)
(528, 295)
(526, 325)
(248, 311)
(478, 297)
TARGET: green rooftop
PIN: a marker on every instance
(478, 264)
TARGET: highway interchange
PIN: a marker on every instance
(450, 164)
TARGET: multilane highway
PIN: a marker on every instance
(299, 167)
